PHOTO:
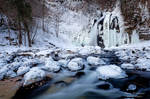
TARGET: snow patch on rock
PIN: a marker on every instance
(110, 71)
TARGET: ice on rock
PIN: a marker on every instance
(51, 65)
(23, 70)
(110, 71)
(35, 74)
(127, 66)
(95, 61)
(75, 64)
(131, 87)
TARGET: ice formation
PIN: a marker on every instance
(108, 31)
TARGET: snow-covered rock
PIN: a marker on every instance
(89, 50)
(127, 66)
(75, 64)
(11, 74)
(63, 62)
(51, 65)
(110, 71)
(3, 72)
(14, 65)
(32, 62)
(95, 61)
(35, 74)
(127, 54)
(23, 70)
(143, 63)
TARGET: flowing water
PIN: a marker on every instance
(89, 87)
(84, 84)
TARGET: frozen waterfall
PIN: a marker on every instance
(94, 32)
(109, 28)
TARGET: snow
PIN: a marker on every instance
(75, 64)
(95, 61)
(110, 71)
(35, 74)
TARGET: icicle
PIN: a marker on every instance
(134, 37)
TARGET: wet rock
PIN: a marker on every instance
(8, 88)
(104, 86)
(24, 92)
(61, 84)
(79, 74)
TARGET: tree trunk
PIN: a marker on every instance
(43, 14)
(20, 34)
(29, 38)
(8, 24)
(28, 33)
